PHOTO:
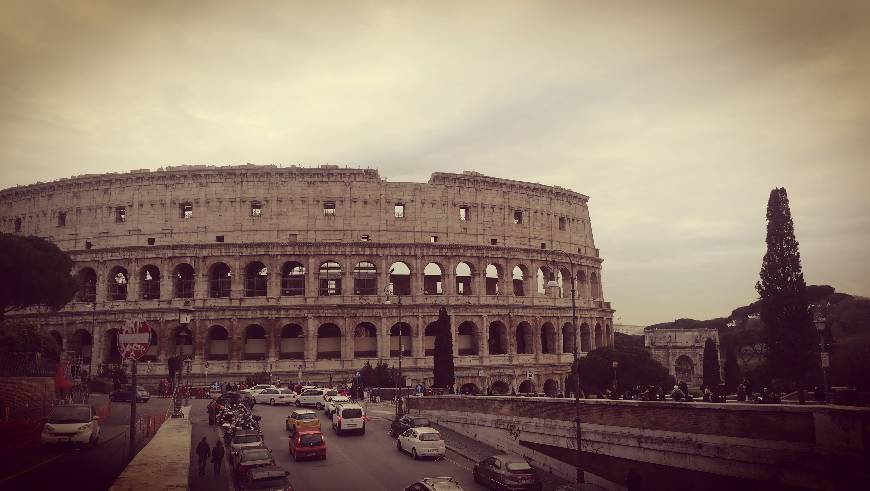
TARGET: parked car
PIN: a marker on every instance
(300, 419)
(349, 417)
(399, 427)
(126, 394)
(71, 423)
(248, 458)
(258, 387)
(292, 394)
(245, 439)
(421, 442)
(505, 471)
(333, 401)
(271, 396)
(307, 443)
(435, 484)
(311, 397)
(329, 394)
(268, 478)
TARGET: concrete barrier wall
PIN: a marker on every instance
(677, 445)
(168, 454)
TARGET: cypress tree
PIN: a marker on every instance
(442, 363)
(711, 364)
(788, 331)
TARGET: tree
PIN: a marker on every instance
(711, 364)
(18, 338)
(732, 369)
(636, 367)
(442, 363)
(788, 332)
(33, 271)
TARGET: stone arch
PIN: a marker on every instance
(329, 276)
(595, 285)
(684, 369)
(149, 282)
(548, 338)
(58, 338)
(581, 284)
(525, 338)
(433, 279)
(585, 345)
(184, 281)
(543, 275)
(497, 338)
(112, 354)
(292, 342)
(568, 336)
(599, 336)
(256, 279)
(183, 340)
(551, 387)
(469, 389)
(526, 387)
(87, 285)
(255, 342)
(292, 279)
(81, 343)
(328, 341)
(519, 280)
(217, 345)
(500, 388)
(464, 273)
(429, 334)
(494, 274)
(400, 278)
(118, 280)
(404, 342)
(365, 278)
(220, 280)
(467, 339)
(365, 340)
(564, 280)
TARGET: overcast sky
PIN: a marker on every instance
(676, 118)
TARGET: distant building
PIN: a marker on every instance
(681, 350)
(628, 329)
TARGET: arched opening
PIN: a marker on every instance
(463, 278)
(256, 279)
(220, 280)
(548, 338)
(255, 342)
(365, 340)
(466, 339)
(432, 280)
(551, 388)
(526, 387)
(328, 342)
(525, 341)
(365, 279)
(149, 282)
(469, 389)
(608, 334)
(87, 285)
(519, 276)
(499, 388)
(429, 335)
(292, 279)
(184, 279)
(81, 343)
(684, 369)
(493, 275)
(564, 279)
(217, 347)
(400, 278)
(111, 347)
(599, 336)
(57, 339)
(183, 341)
(330, 279)
(584, 338)
(404, 340)
(151, 354)
(581, 284)
(543, 276)
(595, 285)
(497, 340)
(118, 279)
(568, 336)
(292, 342)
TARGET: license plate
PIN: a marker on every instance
(65, 439)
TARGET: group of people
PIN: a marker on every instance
(204, 451)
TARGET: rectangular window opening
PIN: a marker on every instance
(399, 210)
(433, 238)
(88, 244)
(364, 238)
(61, 219)
(218, 238)
(292, 237)
(187, 210)
(543, 245)
(329, 208)
(493, 241)
(562, 223)
(464, 213)
(151, 240)
(256, 209)
(518, 217)
(120, 214)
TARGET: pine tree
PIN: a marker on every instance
(732, 369)
(442, 363)
(711, 364)
(788, 330)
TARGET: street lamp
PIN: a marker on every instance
(615, 365)
(390, 292)
(576, 367)
(185, 314)
(824, 358)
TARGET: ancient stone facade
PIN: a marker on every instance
(311, 272)
(681, 351)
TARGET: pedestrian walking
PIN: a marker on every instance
(217, 456)
(202, 452)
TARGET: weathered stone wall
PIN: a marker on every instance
(667, 346)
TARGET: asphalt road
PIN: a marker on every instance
(353, 462)
(67, 468)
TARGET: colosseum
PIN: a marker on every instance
(310, 273)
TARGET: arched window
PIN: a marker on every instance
(493, 275)
(550, 388)
(220, 280)
(256, 279)
(330, 279)
(463, 278)
(118, 279)
(544, 275)
(526, 387)
(292, 342)
(402, 342)
(595, 285)
(183, 341)
(292, 279)
(255, 342)
(149, 282)
(81, 345)
(525, 342)
(548, 338)
(500, 388)
(498, 340)
(328, 342)
(584, 338)
(684, 369)
(365, 279)
(400, 278)
(599, 336)
(429, 335)
(519, 280)
(87, 285)
(432, 280)
(218, 343)
(466, 339)
(365, 341)
(184, 279)
(568, 338)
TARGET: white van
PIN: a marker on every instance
(349, 416)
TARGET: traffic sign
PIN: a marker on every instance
(134, 339)
(826, 359)
(419, 389)
(357, 375)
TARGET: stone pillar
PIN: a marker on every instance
(133, 281)
(560, 338)
(536, 338)
(592, 345)
(199, 330)
(274, 281)
(159, 327)
(483, 339)
(201, 283)
(235, 341)
(310, 339)
(416, 277)
(453, 333)
(273, 339)
(384, 338)
(312, 277)
(237, 279)
(102, 282)
(418, 349)
(346, 341)
(166, 279)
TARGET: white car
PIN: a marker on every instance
(253, 390)
(421, 442)
(273, 396)
(71, 423)
(329, 408)
(349, 416)
(311, 397)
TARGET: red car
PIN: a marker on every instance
(307, 443)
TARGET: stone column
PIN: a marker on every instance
(416, 277)
(235, 341)
(274, 282)
(346, 341)
(483, 339)
(536, 338)
(312, 277)
(383, 338)
(560, 338)
(419, 349)
(133, 280)
(310, 339)
(199, 330)
(237, 279)
(166, 277)
(273, 339)
(102, 282)
(453, 333)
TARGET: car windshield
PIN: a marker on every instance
(270, 483)
(256, 455)
(352, 413)
(286, 391)
(430, 437)
(519, 467)
(311, 440)
(419, 422)
(332, 393)
(69, 414)
(247, 439)
(305, 416)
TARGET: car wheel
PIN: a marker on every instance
(271, 402)
(319, 405)
(414, 453)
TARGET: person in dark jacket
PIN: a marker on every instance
(217, 457)
(202, 451)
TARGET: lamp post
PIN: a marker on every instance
(576, 367)
(389, 292)
(824, 358)
(185, 314)
(615, 365)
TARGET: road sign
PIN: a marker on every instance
(419, 388)
(357, 375)
(826, 359)
(134, 339)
